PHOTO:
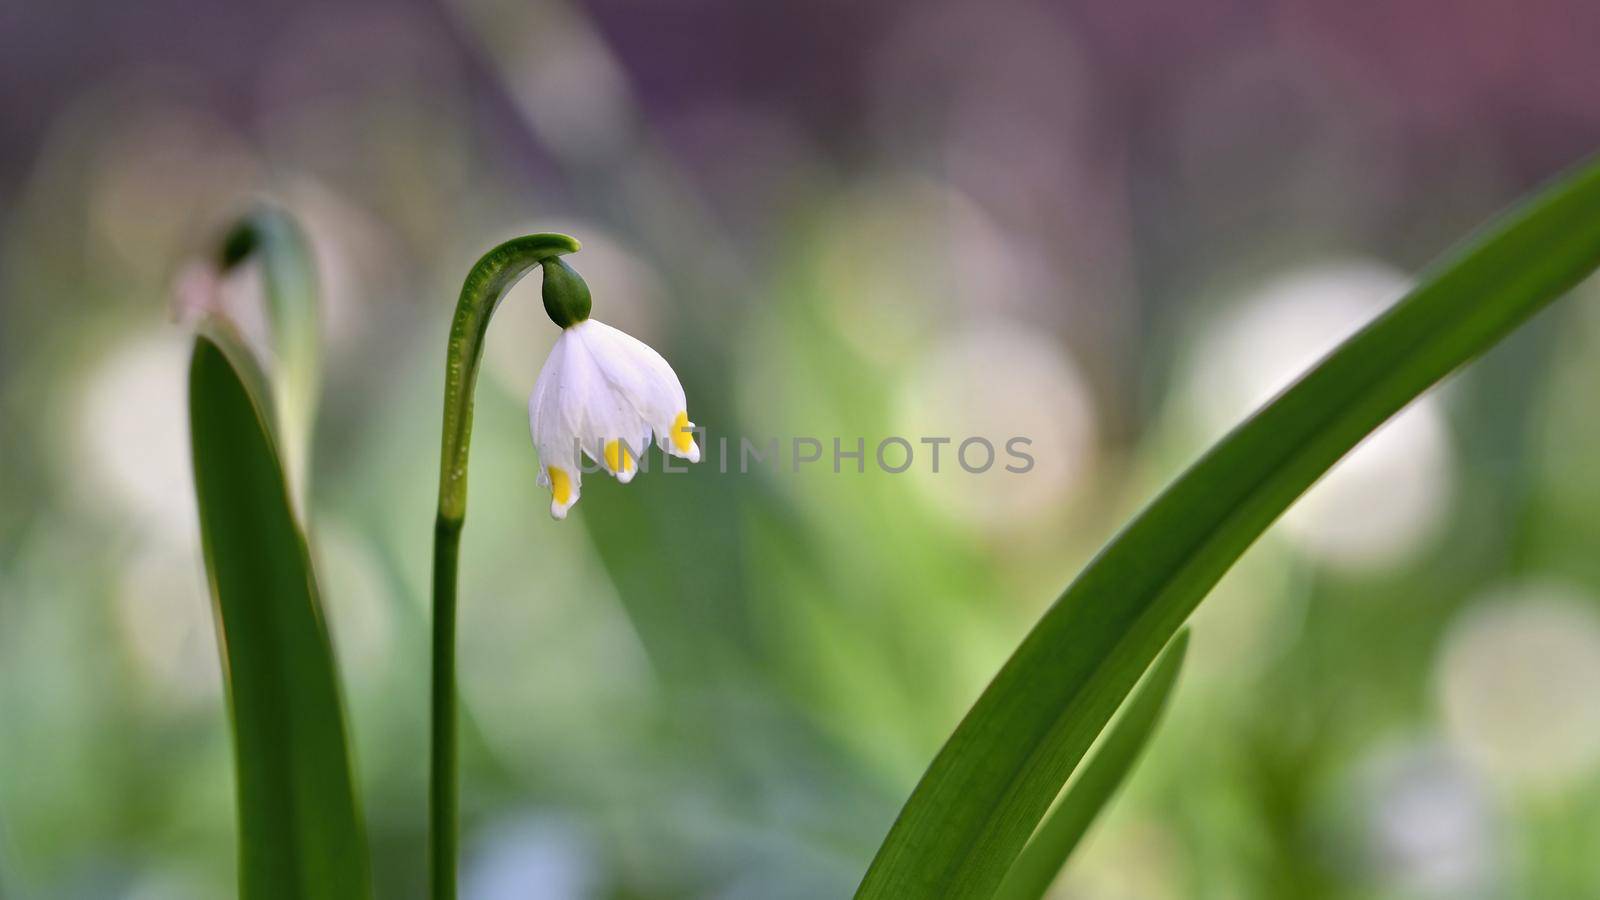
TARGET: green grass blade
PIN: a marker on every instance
(990, 784)
(1091, 789)
(299, 831)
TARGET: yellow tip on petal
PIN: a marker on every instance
(619, 459)
(682, 437)
(560, 487)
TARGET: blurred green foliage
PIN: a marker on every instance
(712, 684)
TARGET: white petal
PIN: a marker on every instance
(641, 375)
(552, 435)
(608, 424)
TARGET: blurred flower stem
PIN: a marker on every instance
(288, 351)
(486, 285)
(288, 275)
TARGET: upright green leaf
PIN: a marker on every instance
(299, 832)
(1091, 788)
(988, 787)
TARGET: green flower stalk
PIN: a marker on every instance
(601, 394)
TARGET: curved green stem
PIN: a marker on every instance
(486, 285)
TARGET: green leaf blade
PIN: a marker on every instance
(1089, 792)
(994, 779)
(299, 831)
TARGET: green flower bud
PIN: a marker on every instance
(566, 297)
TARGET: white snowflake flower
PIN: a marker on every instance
(606, 395)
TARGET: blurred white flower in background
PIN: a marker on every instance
(164, 617)
(1516, 681)
(1384, 501)
(1388, 497)
(1429, 828)
(131, 434)
(530, 858)
(997, 381)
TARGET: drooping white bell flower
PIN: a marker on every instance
(602, 394)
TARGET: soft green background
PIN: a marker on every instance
(1107, 231)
